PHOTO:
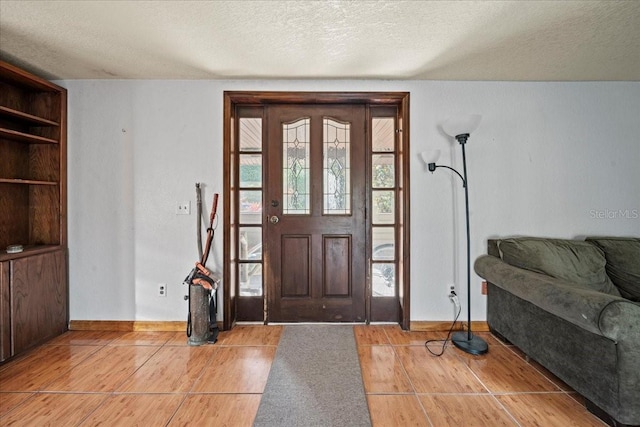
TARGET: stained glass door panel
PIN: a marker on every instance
(336, 169)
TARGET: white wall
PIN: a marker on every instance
(549, 159)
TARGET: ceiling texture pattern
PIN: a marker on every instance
(404, 40)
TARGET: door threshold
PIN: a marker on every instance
(315, 323)
(250, 323)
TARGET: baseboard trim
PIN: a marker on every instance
(179, 326)
(437, 326)
(127, 326)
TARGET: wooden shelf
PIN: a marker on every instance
(13, 74)
(27, 118)
(28, 251)
(33, 164)
(25, 137)
(26, 181)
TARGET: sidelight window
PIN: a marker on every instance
(383, 206)
(250, 190)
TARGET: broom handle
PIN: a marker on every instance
(199, 218)
(214, 209)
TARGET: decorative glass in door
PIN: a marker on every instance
(296, 167)
(336, 167)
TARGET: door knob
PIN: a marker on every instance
(274, 219)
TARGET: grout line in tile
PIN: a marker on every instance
(414, 394)
(106, 397)
(196, 393)
(137, 369)
(390, 393)
(204, 368)
(464, 362)
(505, 409)
(42, 388)
(535, 368)
(384, 330)
(184, 398)
(404, 370)
(31, 396)
(424, 410)
(515, 393)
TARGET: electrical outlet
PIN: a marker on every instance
(183, 208)
(162, 289)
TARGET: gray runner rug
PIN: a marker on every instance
(315, 380)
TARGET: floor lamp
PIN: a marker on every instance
(460, 128)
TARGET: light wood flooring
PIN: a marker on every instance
(87, 378)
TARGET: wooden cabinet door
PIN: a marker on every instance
(5, 312)
(38, 299)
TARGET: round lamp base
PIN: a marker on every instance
(475, 345)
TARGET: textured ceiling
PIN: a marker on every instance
(436, 40)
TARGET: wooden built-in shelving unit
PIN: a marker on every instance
(33, 198)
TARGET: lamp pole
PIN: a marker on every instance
(465, 341)
(463, 141)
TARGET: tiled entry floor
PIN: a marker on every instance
(156, 379)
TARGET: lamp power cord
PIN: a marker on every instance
(453, 297)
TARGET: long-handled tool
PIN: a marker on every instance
(202, 286)
(210, 230)
(200, 275)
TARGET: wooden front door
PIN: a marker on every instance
(315, 206)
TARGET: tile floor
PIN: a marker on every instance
(155, 379)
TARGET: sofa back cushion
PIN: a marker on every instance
(574, 261)
(623, 263)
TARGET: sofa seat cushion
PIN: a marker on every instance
(623, 263)
(577, 262)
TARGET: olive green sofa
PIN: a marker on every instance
(574, 307)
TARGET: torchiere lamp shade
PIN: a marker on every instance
(455, 126)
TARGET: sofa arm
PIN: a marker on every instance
(620, 320)
(582, 307)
